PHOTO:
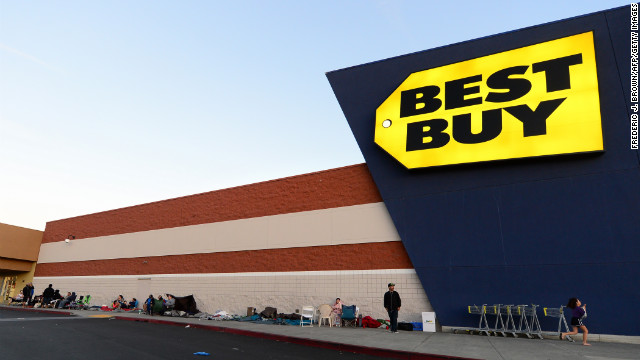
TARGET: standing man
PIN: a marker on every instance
(47, 295)
(27, 291)
(392, 303)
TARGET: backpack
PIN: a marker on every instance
(269, 313)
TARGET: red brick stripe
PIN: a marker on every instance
(346, 186)
(369, 256)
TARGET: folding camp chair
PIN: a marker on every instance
(349, 315)
(87, 302)
(82, 303)
(76, 304)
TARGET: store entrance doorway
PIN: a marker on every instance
(8, 283)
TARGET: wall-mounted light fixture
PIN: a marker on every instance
(69, 238)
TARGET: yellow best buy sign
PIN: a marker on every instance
(532, 101)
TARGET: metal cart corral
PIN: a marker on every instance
(558, 313)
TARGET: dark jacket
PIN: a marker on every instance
(392, 300)
(48, 293)
(26, 291)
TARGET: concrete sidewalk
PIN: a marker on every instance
(404, 345)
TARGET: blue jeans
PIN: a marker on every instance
(393, 318)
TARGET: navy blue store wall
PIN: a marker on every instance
(536, 230)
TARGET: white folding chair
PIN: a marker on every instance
(306, 316)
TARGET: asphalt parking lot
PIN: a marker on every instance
(54, 334)
(35, 335)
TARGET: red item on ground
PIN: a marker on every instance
(369, 322)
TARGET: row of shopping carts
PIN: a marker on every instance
(514, 320)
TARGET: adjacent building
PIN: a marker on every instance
(19, 248)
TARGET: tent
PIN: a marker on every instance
(186, 304)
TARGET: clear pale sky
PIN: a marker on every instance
(108, 104)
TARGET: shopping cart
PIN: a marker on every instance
(483, 325)
(523, 325)
(509, 326)
(496, 310)
(534, 323)
(558, 313)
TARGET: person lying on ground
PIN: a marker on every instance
(18, 299)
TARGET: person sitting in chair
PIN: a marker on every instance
(67, 300)
(133, 304)
(56, 299)
(170, 303)
(119, 303)
(336, 312)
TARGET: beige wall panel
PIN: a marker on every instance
(183, 240)
(249, 234)
(309, 228)
(371, 223)
(285, 291)
(346, 225)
